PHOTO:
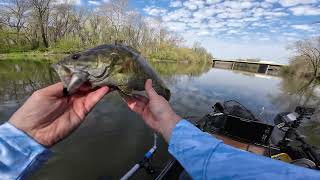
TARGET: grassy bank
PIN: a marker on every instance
(32, 55)
(183, 55)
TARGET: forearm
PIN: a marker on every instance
(20, 154)
(205, 157)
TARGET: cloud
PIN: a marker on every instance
(95, 3)
(271, 1)
(302, 27)
(238, 4)
(305, 10)
(175, 4)
(154, 11)
(265, 50)
(287, 3)
(76, 2)
(193, 4)
(177, 15)
(290, 34)
(176, 26)
(233, 31)
(264, 38)
(204, 33)
(254, 21)
(190, 5)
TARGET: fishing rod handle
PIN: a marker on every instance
(133, 170)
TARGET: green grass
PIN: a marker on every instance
(32, 55)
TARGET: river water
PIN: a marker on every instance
(113, 138)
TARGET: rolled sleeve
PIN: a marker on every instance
(19, 153)
(205, 157)
(192, 148)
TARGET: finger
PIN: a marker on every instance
(53, 90)
(136, 105)
(94, 97)
(141, 98)
(149, 89)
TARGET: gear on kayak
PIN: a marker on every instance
(231, 122)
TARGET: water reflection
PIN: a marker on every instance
(113, 138)
(301, 92)
(18, 79)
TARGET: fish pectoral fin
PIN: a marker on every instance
(125, 89)
(125, 93)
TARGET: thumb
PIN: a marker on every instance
(55, 90)
(149, 90)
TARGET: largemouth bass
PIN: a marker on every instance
(116, 66)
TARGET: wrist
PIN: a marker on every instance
(24, 128)
(168, 125)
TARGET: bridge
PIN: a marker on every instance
(263, 67)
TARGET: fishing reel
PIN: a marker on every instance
(288, 121)
(147, 165)
(289, 140)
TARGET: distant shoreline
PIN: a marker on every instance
(54, 56)
(33, 56)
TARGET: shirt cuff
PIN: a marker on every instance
(19, 153)
(20, 140)
(185, 133)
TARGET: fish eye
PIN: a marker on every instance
(75, 56)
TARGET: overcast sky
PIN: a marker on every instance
(232, 29)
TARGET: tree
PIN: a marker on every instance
(41, 9)
(67, 27)
(61, 20)
(14, 15)
(309, 51)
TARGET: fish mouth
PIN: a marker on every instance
(72, 80)
(167, 94)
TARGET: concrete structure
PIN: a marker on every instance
(263, 67)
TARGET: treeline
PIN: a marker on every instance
(306, 62)
(61, 26)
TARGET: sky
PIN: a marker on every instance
(230, 29)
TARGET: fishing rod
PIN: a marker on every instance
(144, 163)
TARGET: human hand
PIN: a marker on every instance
(155, 111)
(48, 116)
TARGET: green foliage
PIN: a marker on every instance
(175, 68)
(9, 42)
(68, 45)
(31, 56)
(179, 54)
(68, 29)
(285, 70)
(306, 62)
(298, 67)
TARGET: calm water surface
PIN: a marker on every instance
(113, 138)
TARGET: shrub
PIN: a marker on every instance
(69, 45)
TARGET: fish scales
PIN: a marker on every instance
(111, 65)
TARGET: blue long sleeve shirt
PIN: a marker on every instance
(202, 156)
(205, 157)
(19, 154)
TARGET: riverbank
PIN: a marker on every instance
(33, 56)
(55, 56)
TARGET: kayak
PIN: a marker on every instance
(236, 126)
